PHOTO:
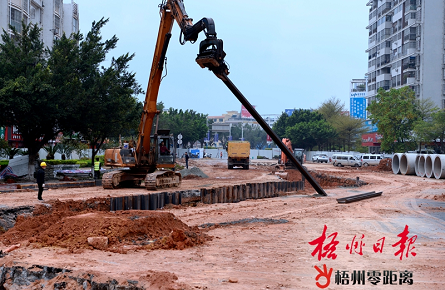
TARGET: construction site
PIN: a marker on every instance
(257, 235)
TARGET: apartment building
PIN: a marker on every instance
(406, 47)
(52, 16)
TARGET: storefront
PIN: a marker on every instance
(372, 141)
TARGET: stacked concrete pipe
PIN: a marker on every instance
(421, 165)
(407, 163)
(429, 160)
(396, 163)
(416, 165)
(439, 166)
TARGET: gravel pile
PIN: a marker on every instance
(193, 171)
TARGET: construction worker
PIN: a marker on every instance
(40, 176)
(187, 160)
(97, 167)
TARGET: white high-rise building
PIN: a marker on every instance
(407, 47)
(52, 16)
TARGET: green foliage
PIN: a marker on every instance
(395, 113)
(51, 150)
(4, 162)
(44, 92)
(190, 124)
(349, 130)
(27, 95)
(252, 133)
(304, 128)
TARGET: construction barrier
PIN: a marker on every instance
(237, 193)
(224, 194)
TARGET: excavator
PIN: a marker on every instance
(145, 161)
(151, 161)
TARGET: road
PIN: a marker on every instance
(265, 243)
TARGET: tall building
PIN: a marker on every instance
(406, 47)
(52, 16)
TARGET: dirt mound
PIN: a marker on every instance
(324, 180)
(69, 225)
(385, 165)
(193, 171)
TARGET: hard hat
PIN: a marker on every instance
(43, 164)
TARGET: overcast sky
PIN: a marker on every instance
(282, 54)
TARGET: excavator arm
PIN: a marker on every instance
(170, 11)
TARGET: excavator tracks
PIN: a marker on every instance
(153, 181)
(162, 179)
(111, 180)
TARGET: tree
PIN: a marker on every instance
(105, 97)
(67, 91)
(190, 124)
(27, 96)
(252, 133)
(439, 128)
(349, 130)
(331, 109)
(304, 128)
(395, 113)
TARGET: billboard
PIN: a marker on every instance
(245, 113)
(371, 139)
(358, 108)
(370, 126)
(2, 133)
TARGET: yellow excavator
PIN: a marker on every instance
(151, 161)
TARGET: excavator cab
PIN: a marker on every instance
(165, 149)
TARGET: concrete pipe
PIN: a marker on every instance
(421, 165)
(396, 163)
(416, 165)
(439, 166)
(429, 160)
(407, 163)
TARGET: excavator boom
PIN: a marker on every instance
(148, 155)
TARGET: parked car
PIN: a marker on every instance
(322, 158)
(315, 157)
(371, 159)
(345, 160)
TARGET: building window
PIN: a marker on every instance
(57, 6)
(74, 25)
(16, 19)
(56, 24)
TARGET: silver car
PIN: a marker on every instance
(322, 158)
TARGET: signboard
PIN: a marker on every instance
(358, 108)
(371, 139)
(269, 139)
(370, 126)
(357, 95)
(2, 132)
(289, 112)
(245, 113)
